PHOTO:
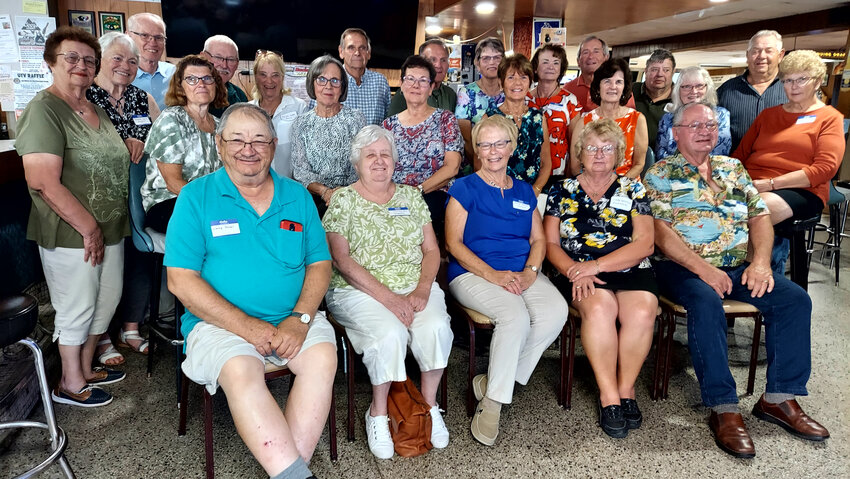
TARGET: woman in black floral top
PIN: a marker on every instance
(599, 233)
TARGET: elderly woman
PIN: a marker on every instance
(76, 169)
(599, 233)
(792, 151)
(271, 95)
(611, 89)
(428, 139)
(559, 106)
(321, 138)
(695, 84)
(494, 235)
(383, 292)
(181, 144)
(131, 111)
(531, 161)
(474, 99)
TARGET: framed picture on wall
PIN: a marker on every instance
(82, 19)
(110, 22)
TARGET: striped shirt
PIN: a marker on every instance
(371, 96)
(745, 103)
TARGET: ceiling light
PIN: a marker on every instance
(485, 8)
(509, 53)
(433, 29)
(718, 1)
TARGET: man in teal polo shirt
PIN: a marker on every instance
(247, 256)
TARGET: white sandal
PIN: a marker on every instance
(109, 353)
(133, 336)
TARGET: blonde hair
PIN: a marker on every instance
(687, 74)
(803, 61)
(604, 129)
(498, 122)
(276, 61)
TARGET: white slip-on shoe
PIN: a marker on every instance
(439, 432)
(378, 436)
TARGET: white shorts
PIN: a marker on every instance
(209, 347)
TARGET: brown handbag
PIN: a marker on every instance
(410, 419)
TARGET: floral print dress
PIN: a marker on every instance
(524, 163)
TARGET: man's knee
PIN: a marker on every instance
(241, 372)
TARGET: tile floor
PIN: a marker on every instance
(135, 437)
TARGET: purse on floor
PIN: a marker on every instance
(410, 419)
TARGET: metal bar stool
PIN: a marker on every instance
(18, 317)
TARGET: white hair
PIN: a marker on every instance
(133, 21)
(109, 38)
(221, 39)
(766, 33)
(366, 136)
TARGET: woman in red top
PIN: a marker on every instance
(793, 150)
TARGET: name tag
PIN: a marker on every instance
(621, 202)
(141, 120)
(802, 120)
(521, 205)
(399, 211)
(555, 107)
(288, 116)
(224, 228)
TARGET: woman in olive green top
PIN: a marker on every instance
(76, 168)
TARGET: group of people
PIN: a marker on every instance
(271, 206)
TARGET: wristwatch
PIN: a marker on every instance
(533, 268)
(303, 317)
(420, 188)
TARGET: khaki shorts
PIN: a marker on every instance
(209, 347)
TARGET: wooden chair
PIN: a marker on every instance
(271, 372)
(732, 309)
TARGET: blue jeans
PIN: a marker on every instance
(787, 313)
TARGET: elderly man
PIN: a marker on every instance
(436, 52)
(246, 254)
(224, 54)
(368, 90)
(757, 88)
(592, 52)
(715, 234)
(653, 94)
(148, 31)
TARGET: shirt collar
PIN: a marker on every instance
(282, 194)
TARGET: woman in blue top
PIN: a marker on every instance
(494, 234)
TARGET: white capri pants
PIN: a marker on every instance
(382, 339)
(209, 347)
(84, 296)
(524, 326)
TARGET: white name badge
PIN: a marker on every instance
(288, 116)
(521, 205)
(802, 120)
(224, 228)
(141, 120)
(399, 211)
(555, 107)
(621, 202)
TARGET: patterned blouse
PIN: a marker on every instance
(713, 225)
(666, 146)
(176, 139)
(628, 123)
(385, 239)
(560, 109)
(422, 148)
(591, 230)
(136, 120)
(321, 147)
(524, 163)
(473, 103)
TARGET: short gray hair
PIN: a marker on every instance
(358, 31)
(688, 73)
(765, 33)
(110, 38)
(590, 39)
(247, 109)
(659, 55)
(133, 21)
(434, 41)
(680, 112)
(316, 69)
(366, 136)
(221, 39)
(489, 42)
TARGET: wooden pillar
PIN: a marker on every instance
(523, 33)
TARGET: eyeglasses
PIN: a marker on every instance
(410, 80)
(257, 145)
(796, 81)
(697, 125)
(118, 59)
(499, 145)
(335, 82)
(147, 36)
(262, 52)
(697, 87)
(192, 80)
(72, 58)
(225, 60)
(490, 59)
(606, 150)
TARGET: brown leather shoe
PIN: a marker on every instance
(731, 434)
(791, 417)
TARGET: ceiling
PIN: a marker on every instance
(628, 21)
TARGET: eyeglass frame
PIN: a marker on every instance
(255, 145)
(322, 81)
(410, 80)
(80, 57)
(193, 80)
(697, 87)
(225, 60)
(710, 126)
(607, 150)
(494, 144)
(802, 81)
(146, 36)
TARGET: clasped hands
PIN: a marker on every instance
(405, 306)
(513, 281)
(582, 275)
(285, 339)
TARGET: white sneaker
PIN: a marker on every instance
(378, 435)
(439, 432)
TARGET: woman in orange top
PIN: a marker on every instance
(611, 89)
(793, 150)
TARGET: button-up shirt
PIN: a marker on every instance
(652, 110)
(745, 103)
(156, 83)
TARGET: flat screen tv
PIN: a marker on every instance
(300, 29)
